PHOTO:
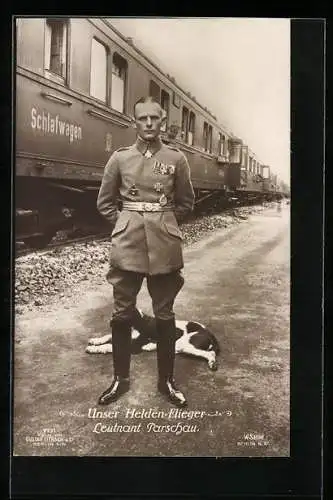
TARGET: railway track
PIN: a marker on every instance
(205, 209)
(62, 243)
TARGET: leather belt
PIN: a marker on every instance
(145, 206)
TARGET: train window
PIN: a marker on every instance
(188, 126)
(118, 83)
(244, 157)
(185, 117)
(176, 100)
(191, 129)
(205, 136)
(221, 145)
(98, 70)
(165, 101)
(55, 55)
(225, 146)
(154, 90)
(208, 137)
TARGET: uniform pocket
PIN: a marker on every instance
(171, 226)
(121, 223)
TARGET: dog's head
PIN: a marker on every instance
(205, 333)
(193, 326)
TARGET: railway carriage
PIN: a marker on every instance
(76, 84)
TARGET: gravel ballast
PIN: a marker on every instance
(42, 277)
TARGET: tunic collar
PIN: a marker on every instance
(152, 146)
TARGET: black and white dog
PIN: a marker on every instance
(192, 338)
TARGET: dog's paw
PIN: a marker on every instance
(99, 349)
(99, 340)
(94, 341)
(149, 347)
(212, 363)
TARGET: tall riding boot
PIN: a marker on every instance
(139, 324)
(121, 351)
(166, 340)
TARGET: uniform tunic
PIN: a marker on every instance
(149, 243)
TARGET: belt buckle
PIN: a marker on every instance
(148, 207)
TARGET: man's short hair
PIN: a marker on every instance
(142, 100)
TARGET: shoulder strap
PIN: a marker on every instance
(173, 148)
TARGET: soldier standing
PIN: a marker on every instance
(153, 183)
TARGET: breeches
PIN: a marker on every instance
(162, 288)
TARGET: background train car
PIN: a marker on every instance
(250, 186)
(76, 84)
(77, 81)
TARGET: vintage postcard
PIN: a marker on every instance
(220, 90)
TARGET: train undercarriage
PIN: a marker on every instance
(46, 206)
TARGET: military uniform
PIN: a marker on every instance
(146, 240)
(153, 182)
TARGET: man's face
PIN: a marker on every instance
(148, 120)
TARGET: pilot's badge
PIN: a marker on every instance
(163, 200)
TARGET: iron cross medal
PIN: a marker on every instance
(158, 187)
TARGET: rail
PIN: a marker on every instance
(63, 243)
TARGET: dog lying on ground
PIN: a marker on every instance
(192, 338)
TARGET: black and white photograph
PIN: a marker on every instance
(152, 237)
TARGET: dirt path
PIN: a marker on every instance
(237, 283)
